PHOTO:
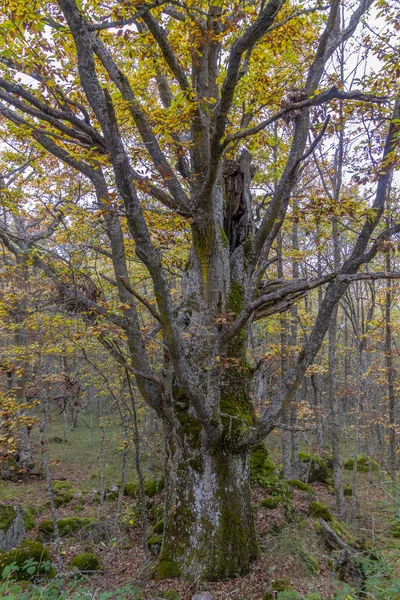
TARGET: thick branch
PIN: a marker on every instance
(332, 94)
(51, 115)
(101, 104)
(241, 45)
(159, 160)
(169, 55)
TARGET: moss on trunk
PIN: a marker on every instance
(209, 530)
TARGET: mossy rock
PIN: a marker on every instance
(159, 527)
(347, 490)
(304, 457)
(317, 468)
(300, 485)
(281, 585)
(61, 485)
(170, 595)
(327, 456)
(111, 493)
(364, 464)
(151, 487)
(30, 519)
(66, 526)
(63, 493)
(271, 502)
(71, 525)
(63, 499)
(349, 465)
(154, 543)
(35, 553)
(131, 489)
(261, 466)
(166, 569)
(85, 562)
(320, 510)
(277, 586)
(56, 439)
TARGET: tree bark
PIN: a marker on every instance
(284, 339)
(333, 401)
(209, 529)
(390, 375)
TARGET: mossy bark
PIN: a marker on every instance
(209, 530)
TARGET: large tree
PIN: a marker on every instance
(158, 104)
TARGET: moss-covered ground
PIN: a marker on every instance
(292, 550)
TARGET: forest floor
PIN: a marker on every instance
(286, 544)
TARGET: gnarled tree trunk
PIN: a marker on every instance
(202, 393)
(209, 530)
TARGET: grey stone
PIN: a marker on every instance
(203, 596)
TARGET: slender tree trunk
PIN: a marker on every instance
(284, 335)
(101, 426)
(49, 480)
(294, 436)
(333, 401)
(25, 458)
(65, 422)
(359, 371)
(123, 480)
(138, 466)
(390, 374)
(318, 408)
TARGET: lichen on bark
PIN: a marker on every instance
(209, 528)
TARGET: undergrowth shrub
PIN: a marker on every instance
(60, 590)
